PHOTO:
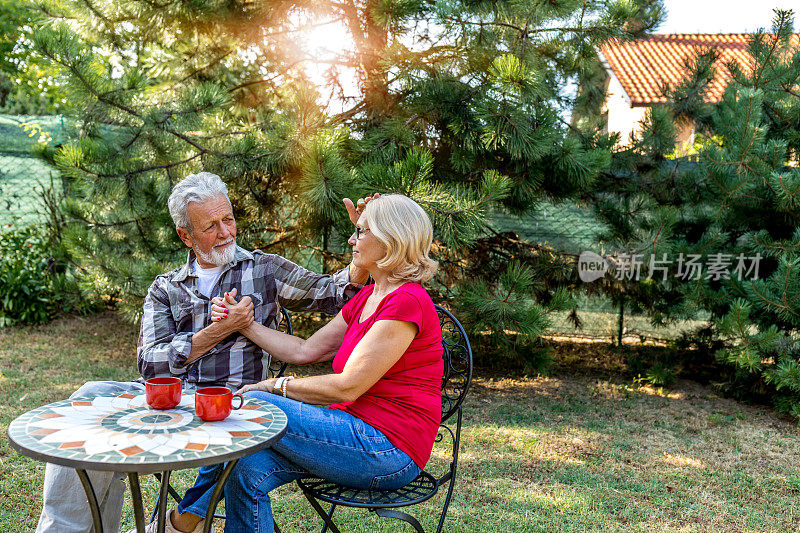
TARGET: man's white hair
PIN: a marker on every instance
(193, 188)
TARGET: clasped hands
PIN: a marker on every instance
(237, 315)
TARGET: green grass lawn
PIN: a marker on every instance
(575, 451)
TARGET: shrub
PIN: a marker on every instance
(34, 283)
(661, 375)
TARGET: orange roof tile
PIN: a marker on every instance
(645, 65)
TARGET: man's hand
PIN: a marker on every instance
(355, 210)
(357, 275)
(239, 316)
(232, 315)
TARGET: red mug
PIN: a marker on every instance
(163, 393)
(213, 404)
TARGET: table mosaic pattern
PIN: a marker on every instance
(122, 433)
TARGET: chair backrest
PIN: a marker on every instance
(457, 356)
(285, 324)
(277, 368)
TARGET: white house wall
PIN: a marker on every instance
(622, 118)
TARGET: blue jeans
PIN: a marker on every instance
(326, 443)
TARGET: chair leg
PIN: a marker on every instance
(330, 518)
(399, 515)
(327, 516)
(450, 478)
(446, 505)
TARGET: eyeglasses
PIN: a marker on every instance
(360, 231)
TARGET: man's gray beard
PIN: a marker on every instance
(219, 257)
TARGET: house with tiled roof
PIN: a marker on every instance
(638, 70)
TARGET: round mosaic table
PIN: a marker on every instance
(122, 433)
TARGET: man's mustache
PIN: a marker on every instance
(224, 243)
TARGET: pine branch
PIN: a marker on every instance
(165, 166)
(90, 6)
(774, 246)
(350, 13)
(773, 48)
(525, 31)
(771, 302)
(95, 224)
(213, 62)
(260, 82)
(472, 206)
(348, 114)
(112, 103)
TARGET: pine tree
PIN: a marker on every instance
(738, 207)
(27, 85)
(463, 106)
(750, 185)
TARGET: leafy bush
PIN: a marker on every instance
(661, 375)
(656, 365)
(34, 284)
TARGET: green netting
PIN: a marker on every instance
(15, 139)
(599, 320)
(565, 226)
(572, 228)
(21, 182)
(22, 174)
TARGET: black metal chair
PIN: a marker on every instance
(276, 369)
(457, 355)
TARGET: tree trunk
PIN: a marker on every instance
(325, 239)
(376, 77)
(370, 39)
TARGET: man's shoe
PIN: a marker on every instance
(152, 527)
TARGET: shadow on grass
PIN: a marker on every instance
(588, 451)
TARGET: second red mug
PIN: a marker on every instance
(213, 404)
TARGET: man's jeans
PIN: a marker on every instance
(65, 508)
(327, 443)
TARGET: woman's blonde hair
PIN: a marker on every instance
(403, 227)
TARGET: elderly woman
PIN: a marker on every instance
(384, 392)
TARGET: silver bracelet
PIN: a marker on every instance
(283, 384)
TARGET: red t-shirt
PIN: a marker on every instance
(406, 403)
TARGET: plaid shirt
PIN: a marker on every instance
(174, 310)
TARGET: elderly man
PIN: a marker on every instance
(177, 337)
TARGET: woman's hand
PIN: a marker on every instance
(267, 385)
(218, 309)
(237, 315)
